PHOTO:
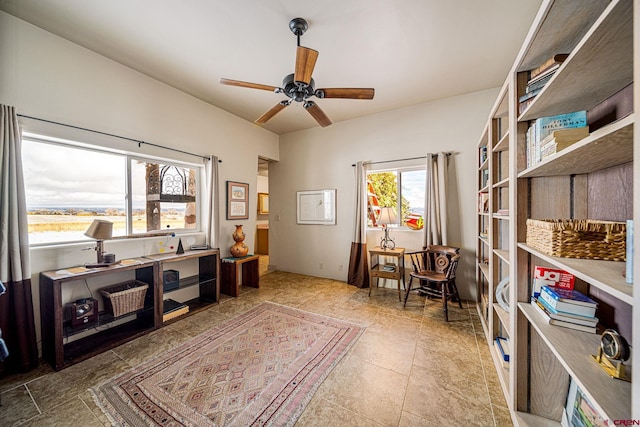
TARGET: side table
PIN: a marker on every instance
(231, 274)
(393, 271)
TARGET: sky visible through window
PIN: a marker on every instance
(67, 187)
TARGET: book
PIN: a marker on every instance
(553, 62)
(546, 276)
(483, 202)
(629, 262)
(539, 83)
(502, 347)
(563, 323)
(568, 301)
(545, 125)
(580, 411)
(172, 309)
(570, 135)
(551, 314)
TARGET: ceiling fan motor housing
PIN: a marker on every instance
(298, 91)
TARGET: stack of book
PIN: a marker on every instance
(566, 308)
(172, 309)
(560, 139)
(538, 78)
(545, 126)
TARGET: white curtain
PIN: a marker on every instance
(358, 265)
(16, 306)
(435, 223)
(213, 203)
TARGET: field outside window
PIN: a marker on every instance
(67, 187)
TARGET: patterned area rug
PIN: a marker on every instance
(260, 368)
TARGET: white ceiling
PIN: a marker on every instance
(410, 51)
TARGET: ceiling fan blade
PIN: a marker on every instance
(230, 82)
(305, 62)
(272, 112)
(350, 93)
(317, 113)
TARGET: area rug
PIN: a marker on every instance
(260, 368)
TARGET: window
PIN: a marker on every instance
(402, 189)
(68, 186)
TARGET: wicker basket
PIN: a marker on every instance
(586, 238)
(125, 297)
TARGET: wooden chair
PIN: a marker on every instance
(435, 268)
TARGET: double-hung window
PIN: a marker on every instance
(402, 189)
(67, 186)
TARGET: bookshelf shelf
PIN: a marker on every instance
(605, 275)
(574, 349)
(609, 146)
(592, 60)
(502, 184)
(590, 179)
(503, 144)
(502, 254)
(503, 315)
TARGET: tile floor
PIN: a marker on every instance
(409, 368)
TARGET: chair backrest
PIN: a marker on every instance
(441, 259)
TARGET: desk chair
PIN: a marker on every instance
(435, 268)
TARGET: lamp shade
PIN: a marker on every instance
(387, 216)
(99, 230)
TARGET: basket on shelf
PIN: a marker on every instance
(125, 297)
(581, 238)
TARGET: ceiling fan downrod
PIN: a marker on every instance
(298, 26)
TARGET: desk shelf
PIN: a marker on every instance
(56, 329)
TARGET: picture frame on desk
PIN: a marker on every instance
(237, 200)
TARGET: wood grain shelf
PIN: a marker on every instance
(609, 146)
(592, 59)
(573, 349)
(605, 275)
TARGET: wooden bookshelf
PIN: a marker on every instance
(593, 178)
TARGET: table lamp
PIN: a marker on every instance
(387, 216)
(100, 230)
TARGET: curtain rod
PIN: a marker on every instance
(400, 160)
(138, 141)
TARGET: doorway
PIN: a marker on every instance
(262, 218)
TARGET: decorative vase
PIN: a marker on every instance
(239, 249)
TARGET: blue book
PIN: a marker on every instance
(568, 301)
(553, 314)
(545, 125)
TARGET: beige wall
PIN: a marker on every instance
(322, 157)
(50, 78)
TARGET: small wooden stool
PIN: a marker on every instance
(230, 284)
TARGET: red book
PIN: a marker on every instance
(546, 276)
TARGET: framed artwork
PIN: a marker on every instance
(316, 207)
(263, 203)
(237, 200)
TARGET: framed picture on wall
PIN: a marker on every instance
(316, 207)
(263, 203)
(237, 200)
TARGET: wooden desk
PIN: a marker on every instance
(231, 274)
(378, 271)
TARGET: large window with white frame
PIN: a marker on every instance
(402, 189)
(67, 186)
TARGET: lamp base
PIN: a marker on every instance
(101, 264)
(386, 242)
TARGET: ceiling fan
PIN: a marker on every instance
(299, 86)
